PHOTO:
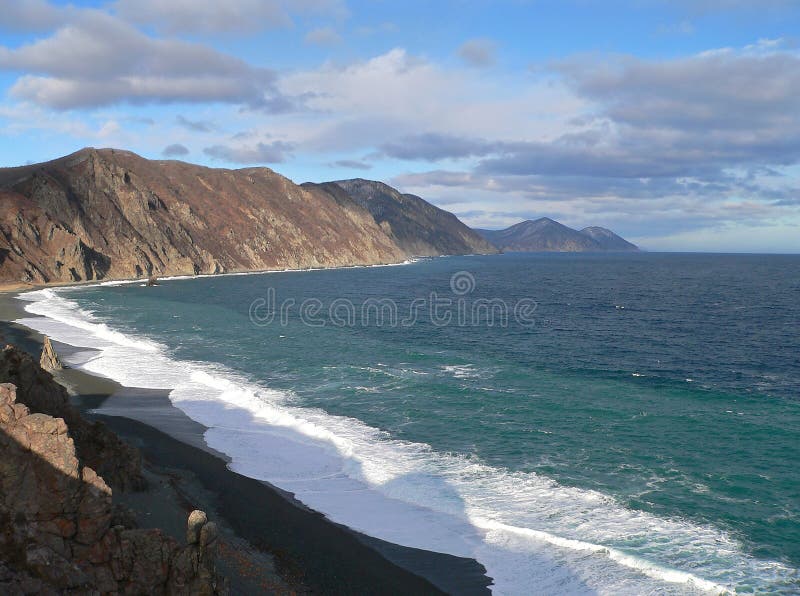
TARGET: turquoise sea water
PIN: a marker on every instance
(648, 407)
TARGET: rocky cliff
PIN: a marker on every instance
(418, 228)
(110, 214)
(99, 448)
(547, 235)
(49, 360)
(60, 531)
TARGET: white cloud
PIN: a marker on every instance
(478, 52)
(274, 152)
(32, 15)
(109, 130)
(229, 16)
(100, 60)
(175, 150)
(371, 102)
(324, 36)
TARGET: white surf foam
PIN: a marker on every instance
(533, 535)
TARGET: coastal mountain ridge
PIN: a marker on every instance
(547, 235)
(416, 226)
(111, 214)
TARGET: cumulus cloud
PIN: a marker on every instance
(352, 164)
(378, 84)
(32, 15)
(274, 152)
(324, 36)
(720, 90)
(194, 125)
(690, 117)
(478, 52)
(435, 146)
(607, 122)
(99, 60)
(566, 188)
(231, 16)
(175, 150)
(366, 103)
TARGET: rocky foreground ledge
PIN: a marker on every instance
(60, 532)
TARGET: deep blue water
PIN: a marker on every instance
(669, 383)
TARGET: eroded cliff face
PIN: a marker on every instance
(110, 214)
(418, 228)
(59, 529)
(97, 446)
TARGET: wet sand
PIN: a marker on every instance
(271, 542)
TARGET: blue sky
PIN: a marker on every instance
(676, 123)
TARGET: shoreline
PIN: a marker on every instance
(295, 548)
(18, 287)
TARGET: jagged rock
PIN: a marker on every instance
(152, 281)
(197, 519)
(193, 570)
(209, 535)
(49, 360)
(99, 448)
(56, 522)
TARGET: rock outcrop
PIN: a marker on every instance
(548, 235)
(418, 228)
(49, 360)
(60, 532)
(110, 214)
(98, 448)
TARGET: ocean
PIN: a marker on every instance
(578, 423)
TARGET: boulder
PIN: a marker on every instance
(197, 519)
(49, 360)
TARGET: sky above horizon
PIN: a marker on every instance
(676, 124)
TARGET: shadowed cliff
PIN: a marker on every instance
(99, 448)
(61, 532)
(418, 228)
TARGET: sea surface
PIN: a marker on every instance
(631, 427)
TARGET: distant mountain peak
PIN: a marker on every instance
(608, 239)
(548, 235)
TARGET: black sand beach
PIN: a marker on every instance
(271, 542)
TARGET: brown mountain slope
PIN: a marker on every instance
(419, 228)
(110, 214)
